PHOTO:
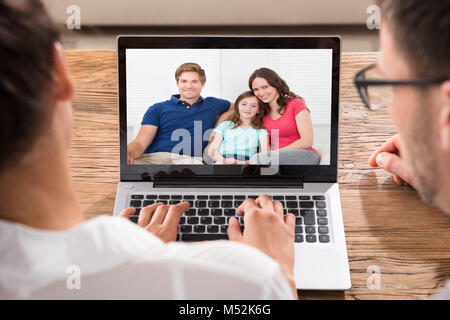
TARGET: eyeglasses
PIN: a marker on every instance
(377, 93)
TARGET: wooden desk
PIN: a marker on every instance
(386, 225)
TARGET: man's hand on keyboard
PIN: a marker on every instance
(159, 219)
(267, 229)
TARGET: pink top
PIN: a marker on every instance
(286, 124)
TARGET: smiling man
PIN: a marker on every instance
(412, 78)
(176, 131)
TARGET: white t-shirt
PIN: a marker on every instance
(112, 258)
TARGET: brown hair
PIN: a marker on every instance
(257, 119)
(190, 66)
(275, 81)
(421, 32)
(26, 49)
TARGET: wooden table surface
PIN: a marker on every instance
(387, 227)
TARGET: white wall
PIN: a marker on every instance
(150, 75)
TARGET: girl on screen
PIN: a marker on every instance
(287, 119)
(236, 140)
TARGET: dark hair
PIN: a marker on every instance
(257, 120)
(190, 66)
(275, 81)
(27, 35)
(421, 29)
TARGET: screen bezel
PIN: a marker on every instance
(307, 173)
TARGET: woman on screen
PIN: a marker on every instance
(287, 120)
(236, 140)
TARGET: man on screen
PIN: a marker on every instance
(177, 130)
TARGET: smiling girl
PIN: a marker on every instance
(236, 140)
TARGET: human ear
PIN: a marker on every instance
(63, 88)
(444, 117)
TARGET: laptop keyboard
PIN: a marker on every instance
(208, 215)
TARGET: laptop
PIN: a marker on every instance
(311, 68)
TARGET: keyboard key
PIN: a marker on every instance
(183, 220)
(200, 204)
(138, 211)
(219, 220)
(199, 228)
(148, 202)
(298, 238)
(230, 212)
(214, 197)
(304, 198)
(151, 196)
(321, 204)
(292, 204)
(298, 221)
(239, 197)
(212, 229)
(227, 197)
(306, 204)
(321, 213)
(226, 204)
(237, 203)
(202, 197)
(324, 238)
(318, 197)
(253, 197)
(189, 197)
(298, 229)
(134, 219)
(214, 204)
(164, 196)
(174, 201)
(203, 212)
(311, 238)
(206, 220)
(162, 201)
(176, 196)
(204, 236)
(295, 212)
(278, 198)
(137, 196)
(291, 198)
(310, 229)
(223, 228)
(323, 230)
(216, 212)
(186, 228)
(309, 216)
(135, 203)
(322, 221)
(192, 220)
(191, 212)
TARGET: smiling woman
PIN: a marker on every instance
(287, 120)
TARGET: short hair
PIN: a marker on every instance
(190, 66)
(420, 30)
(26, 69)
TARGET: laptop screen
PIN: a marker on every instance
(227, 103)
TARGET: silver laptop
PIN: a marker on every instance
(174, 167)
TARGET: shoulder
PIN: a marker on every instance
(296, 105)
(218, 101)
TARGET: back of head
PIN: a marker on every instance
(421, 31)
(27, 36)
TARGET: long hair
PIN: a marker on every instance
(285, 94)
(257, 119)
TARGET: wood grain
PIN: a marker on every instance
(386, 225)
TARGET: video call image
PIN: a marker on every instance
(228, 106)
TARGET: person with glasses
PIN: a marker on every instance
(412, 79)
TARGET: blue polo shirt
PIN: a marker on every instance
(191, 121)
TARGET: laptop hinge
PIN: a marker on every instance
(228, 182)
